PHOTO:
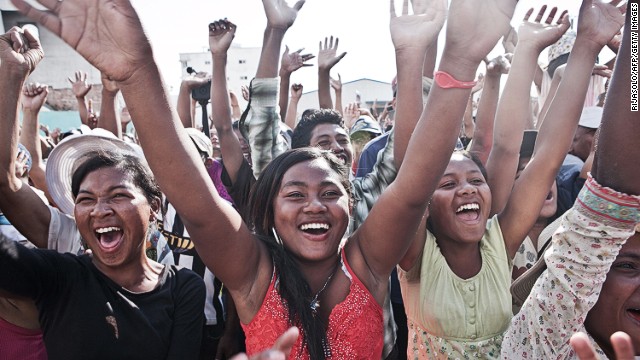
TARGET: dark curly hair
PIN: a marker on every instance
(308, 121)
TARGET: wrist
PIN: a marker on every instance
(447, 81)
(584, 43)
(108, 93)
(460, 68)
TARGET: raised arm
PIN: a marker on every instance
(410, 104)
(513, 109)
(109, 116)
(400, 208)
(33, 98)
(615, 163)
(261, 126)
(80, 89)
(327, 59)
(336, 85)
(488, 105)
(185, 102)
(292, 110)
(290, 63)
(599, 22)
(221, 35)
(19, 203)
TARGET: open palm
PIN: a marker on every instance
(279, 14)
(540, 33)
(467, 19)
(426, 25)
(108, 33)
(600, 21)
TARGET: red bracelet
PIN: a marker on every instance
(446, 81)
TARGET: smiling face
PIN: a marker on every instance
(311, 210)
(618, 307)
(460, 206)
(113, 216)
(334, 138)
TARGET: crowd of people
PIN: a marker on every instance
(459, 221)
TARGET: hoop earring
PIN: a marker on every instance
(275, 235)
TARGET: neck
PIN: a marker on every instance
(317, 274)
(136, 276)
(464, 259)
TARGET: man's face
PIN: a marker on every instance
(582, 141)
(334, 138)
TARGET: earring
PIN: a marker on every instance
(275, 235)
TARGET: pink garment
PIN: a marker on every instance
(215, 173)
(18, 343)
(355, 328)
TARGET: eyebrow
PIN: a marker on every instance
(632, 256)
(305, 185)
(115, 187)
(470, 172)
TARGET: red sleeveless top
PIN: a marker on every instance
(355, 328)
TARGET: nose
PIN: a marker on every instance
(467, 189)
(101, 209)
(336, 148)
(314, 205)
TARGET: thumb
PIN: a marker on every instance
(298, 5)
(286, 341)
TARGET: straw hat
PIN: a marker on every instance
(63, 161)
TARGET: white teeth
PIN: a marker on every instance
(314, 226)
(473, 206)
(107, 229)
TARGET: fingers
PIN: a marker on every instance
(299, 5)
(543, 9)
(405, 7)
(582, 346)
(552, 14)
(622, 346)
(48, 19)
(393, 8)
(528, 14)
(286, 341)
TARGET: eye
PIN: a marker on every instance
(477, 181)
(324, 144)
(332, 193)
(294, 195)
(83, 200)
(626, 266)
(447, 185)
(344, 141)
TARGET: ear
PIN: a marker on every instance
(208, 163)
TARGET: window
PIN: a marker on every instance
(243, 78)
(242, 61)
(207, 62)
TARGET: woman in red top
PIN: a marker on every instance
(292, 249)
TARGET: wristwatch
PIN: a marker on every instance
(446, 81)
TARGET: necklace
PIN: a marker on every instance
(315, 303)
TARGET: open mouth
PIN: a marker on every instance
(468, 212)
(109, 237)
(549, 196)
(315, 228)
(635, 314)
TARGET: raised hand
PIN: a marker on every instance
(245, 92)
(327, 54)
(499, 65)
(79, 86)
(106, 33)
(473, 30)
(621, 342)
(538, 33)
(34, 96)
(293, 61)
(336, 84)
(599, 21)
(350, 114)
(296, 91)
(279, 14)
(420, 28)
(20, 49)
(221, 34)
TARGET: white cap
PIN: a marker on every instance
(591, 117)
